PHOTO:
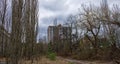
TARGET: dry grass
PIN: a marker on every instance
(58, 60)
(45, 60)
(3, 59)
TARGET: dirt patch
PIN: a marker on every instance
(45, 60)
(59, 60)
(85, 62)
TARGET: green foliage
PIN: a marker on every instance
(70, 63)
(104, 44)
(52, 56)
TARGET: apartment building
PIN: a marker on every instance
(58, 33)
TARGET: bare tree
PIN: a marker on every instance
(3, 16)
(16, 30)
(91, 25)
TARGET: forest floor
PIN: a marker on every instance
(72, 61)
(60, 60)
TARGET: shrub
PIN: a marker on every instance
(52, 56)
(70, 63)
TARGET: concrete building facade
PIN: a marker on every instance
(58, 33)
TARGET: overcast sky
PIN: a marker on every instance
(60, 9)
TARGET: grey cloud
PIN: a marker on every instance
(42, 32)
(54, 5)
(49, 21)
(60, 9)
